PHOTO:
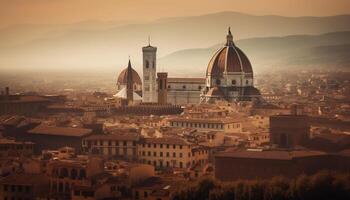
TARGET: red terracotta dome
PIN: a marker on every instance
(229, 59)
(123, 76)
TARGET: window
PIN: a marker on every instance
(184, 87)
(160, 84)
(174, 146)
(161, 154)
(247, 82)
(143, 153)
(180, 146)
(124, 143)
(149, 145)
(167, 146)
(167, 154)
(180, 155)
(199, 87)
(154, 153)
(145, 194)
(149, 153)
(155, 145)
(174, 155)
(180, 164)
(169, 86)
(147, 64)
(161, 145)
(234, 82)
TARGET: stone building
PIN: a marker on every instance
(265, 164)
(13, 104)
(52, 137)
(162, 80)
(119, 145)
(66, 173)
(170, 152)
(10, 147)
(288, 131)
(185, 90)
(23, 186)
(229, 75)
(207, 124)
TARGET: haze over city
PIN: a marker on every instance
(174, 100)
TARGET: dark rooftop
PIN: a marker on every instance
(60, 131)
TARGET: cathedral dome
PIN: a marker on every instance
(123, 77)
(229, 59)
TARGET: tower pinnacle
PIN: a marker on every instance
(229, 38)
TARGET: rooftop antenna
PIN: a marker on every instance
(149, 41)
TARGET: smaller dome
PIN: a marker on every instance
(123, 77)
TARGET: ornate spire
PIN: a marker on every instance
(129, 84)
(129, 64)
(229, 38)
(149, 41)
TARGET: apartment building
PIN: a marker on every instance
(171, 152)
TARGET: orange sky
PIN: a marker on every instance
(70, 11)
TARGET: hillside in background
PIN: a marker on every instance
(331, 49)
(105, 46)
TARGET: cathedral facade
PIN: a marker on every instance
(229, 77)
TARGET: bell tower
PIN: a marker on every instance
(149, 86)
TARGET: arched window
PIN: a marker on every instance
(218, 82)
(147, 64)
(234, 82)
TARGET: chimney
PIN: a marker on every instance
(162, 79)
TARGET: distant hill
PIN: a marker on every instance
(331, 49)
(95, 45)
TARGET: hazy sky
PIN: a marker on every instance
(69, 11)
